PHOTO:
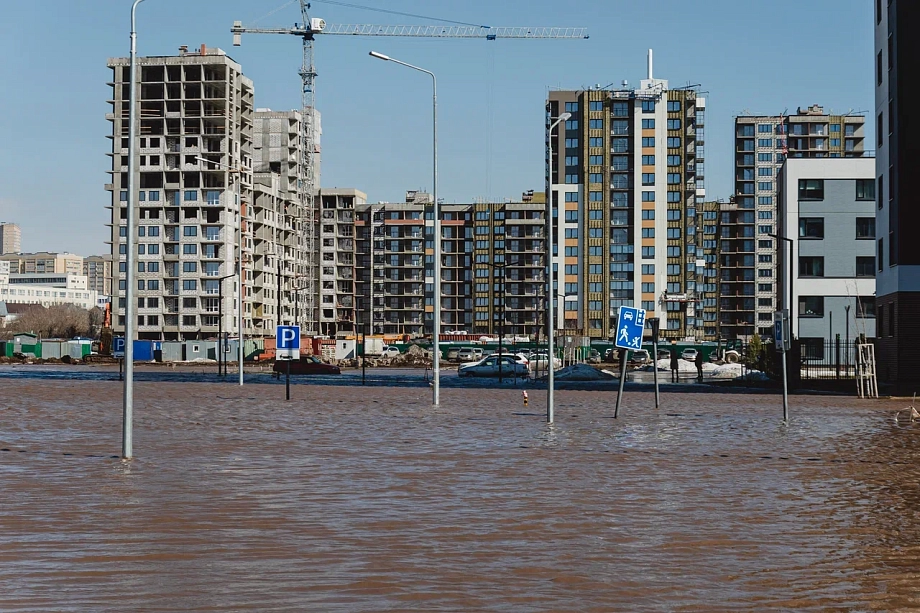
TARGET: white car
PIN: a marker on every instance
(469, 354)
(539, 361)
(689, 354)
(489, 367)
(389, 351)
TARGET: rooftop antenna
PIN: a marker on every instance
(650, 64)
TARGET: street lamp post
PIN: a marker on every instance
(436, 333)
(127, 430)
(551, 292)
(792, 307)
(239, 262)
(220, 322)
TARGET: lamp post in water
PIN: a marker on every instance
(551, 292)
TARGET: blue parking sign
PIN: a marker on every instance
(118, 347)
(630, 325)
(287, 342)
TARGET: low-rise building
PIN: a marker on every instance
(98, 271)
(44, 262)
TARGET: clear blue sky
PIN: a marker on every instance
(761, 57)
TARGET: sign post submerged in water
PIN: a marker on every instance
(630, 326)
(287, 347)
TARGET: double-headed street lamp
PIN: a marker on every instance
(239, 261)
(220, 322)
(436, 211)
(550, 318)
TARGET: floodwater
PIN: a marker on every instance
(371, 500)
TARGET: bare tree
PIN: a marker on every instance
(59, 321)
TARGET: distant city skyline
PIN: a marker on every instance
(376, 119)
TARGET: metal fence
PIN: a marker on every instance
(824, 359)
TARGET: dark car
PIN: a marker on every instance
(306, 365)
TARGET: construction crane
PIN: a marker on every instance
(307, 30)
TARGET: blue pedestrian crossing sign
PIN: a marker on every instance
(630, 325)
(287, 342)
(118, 347)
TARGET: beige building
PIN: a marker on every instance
(44, 262)
(10, 238)
(98, 271)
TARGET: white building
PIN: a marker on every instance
(827, 210)
(46, 289)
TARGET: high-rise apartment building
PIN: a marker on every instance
(195, 216)
(493, 267)
(627, 174)
(762, 143)
(10, 238)
(897, 59)
(337, 251)
(98, 271)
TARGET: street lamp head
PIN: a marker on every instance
(379, 56)
(564, 117)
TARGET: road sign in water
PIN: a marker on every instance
(118, 347)
(288, 342)
(630, 325)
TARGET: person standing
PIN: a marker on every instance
(675, 365)
(699, 366)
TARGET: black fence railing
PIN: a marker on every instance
(824, 359)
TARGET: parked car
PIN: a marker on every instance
(389, 351)
(689, 354)
(306, 365)
(453, 354)
(539, 361)
(664, 354)
(593, 357)
(489, 367)
(520, 357)
(469, 354)
(611, 354)
(639, 357)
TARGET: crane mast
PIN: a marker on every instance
(307, 30)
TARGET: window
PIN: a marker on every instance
(765, 128)
(648, 252)
(571, 107)
(879, 130)
(865, 189)
(765, 258)
(648, 196)
(596, 214)
(765, 244)
(189, 266)
(648, 269)
(648, 288)
(811, 189)
(190, 249)
(765, 186)
(648, 232)
(673, 233)
(648, 160)
(190, 284)
(865, 227)
(811, 227)
(595, 269)
(190, 230)
(811, 266)
(768, 200)
(881, 253)
(596, 124)
(865, 307)
(673, 160)
(764, 214)
(571, 179)
(571, 252)
(572, 143)
(673, 142)
(673, 178)
(765, 229)
(648, 178)
(648, 141)
(153, 267)
(648, 106)
(595, 196)
(811, 306)
(764, 157)
(673, 215)
(596, 177)
(191, 195)
(153, 231)
(673, 106)
(153, 284)
(674, 124)
(594, 105)
(765, 142)
(765, 272)
(595, 160)
(764, 287)
(571, 160)
(648, 124)
(648, 214)
(865, 266)
(571, 216)
(765, 171)
(571, 124)
(673, 196)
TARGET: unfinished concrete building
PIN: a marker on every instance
(194, 193)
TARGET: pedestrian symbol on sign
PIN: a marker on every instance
(630, 325)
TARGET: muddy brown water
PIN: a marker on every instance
(353, 500)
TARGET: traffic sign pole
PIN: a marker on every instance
(287, 382)
(781, 339)
(624, 355)
(654, 322)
